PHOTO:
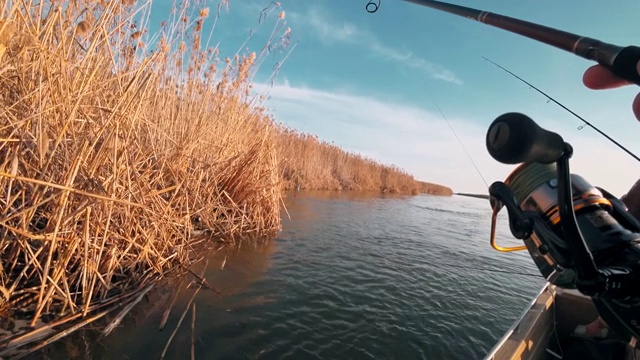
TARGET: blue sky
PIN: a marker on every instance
(370, 83)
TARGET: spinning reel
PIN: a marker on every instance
(579, 236)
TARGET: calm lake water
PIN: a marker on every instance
(350, 276)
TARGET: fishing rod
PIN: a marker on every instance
(620, 146)
(578, 235)
(622, 61)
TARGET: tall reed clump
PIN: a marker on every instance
(311, 164)
(116, 156)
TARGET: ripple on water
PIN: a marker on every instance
(379, 277)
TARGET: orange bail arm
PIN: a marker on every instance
(494, 219)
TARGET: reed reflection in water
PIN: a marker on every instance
(352, 276)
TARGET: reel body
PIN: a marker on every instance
(579, 236)
(607, 228)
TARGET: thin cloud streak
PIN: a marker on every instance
(429, 68)
(331, 33)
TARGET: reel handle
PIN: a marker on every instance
(514, 138)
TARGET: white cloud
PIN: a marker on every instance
(332, 32)
(407, 59)
(421, 142)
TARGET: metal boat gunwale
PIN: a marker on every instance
(516, 323)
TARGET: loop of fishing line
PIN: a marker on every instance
(372, 6)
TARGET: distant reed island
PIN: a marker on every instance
(308, 163)
(124, 154)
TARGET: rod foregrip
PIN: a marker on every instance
(626, 64)
(514, 138)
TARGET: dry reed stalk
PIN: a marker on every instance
(202, 282)
(109, 150)
(167, 312)
(193, 331)
(175, 331)
(12, 345)
(61, 334)
(186, 310)
(118, 319)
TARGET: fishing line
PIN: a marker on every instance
(461, 144)
(569, 110)
(372, 6)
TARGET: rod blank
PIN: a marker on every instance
(622, 61)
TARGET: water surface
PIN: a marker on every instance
(351, 276)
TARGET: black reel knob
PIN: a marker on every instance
(514, 138)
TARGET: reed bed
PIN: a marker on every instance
(308, 163)
(118, 159)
